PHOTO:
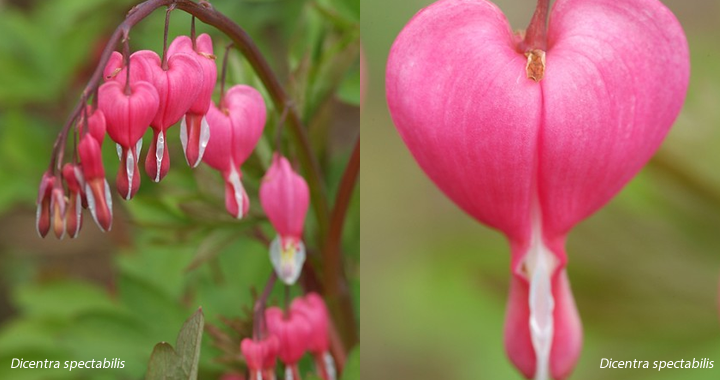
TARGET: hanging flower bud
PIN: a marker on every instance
(96, 124)
(260, 356)
(313, 308)
(42, 216)
(128, 117)
(75, 182)
(284, 196)
(194, 131)
(236, 125)
(57, 207)
(531, 136)
(292, 331)
(97, 189)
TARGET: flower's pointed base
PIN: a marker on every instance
(194, 135)
(157, 161)
(74, 219)
(287, 256)
(128, 177)
(100, 202)
(237, 202)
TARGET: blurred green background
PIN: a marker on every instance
(173, 247)
(644, 269)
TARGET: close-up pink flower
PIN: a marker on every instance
(532, 132)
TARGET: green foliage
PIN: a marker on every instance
(180, 363)
(352, 366)
(175, 248)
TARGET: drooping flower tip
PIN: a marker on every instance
(57, 205)
(42, 216)
(97, 189)
(72, 174)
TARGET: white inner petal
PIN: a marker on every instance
(259, 376)
(204, 139)
(108, 201)
(329, 366)
(78, 214)
(287, 261)
(37, 218)
(288, 373)
(159, 152)
(91, 203)
(119, 151)
(541, 263)
(238, 191)
(138, 147)
(184, 137)
(130, 170)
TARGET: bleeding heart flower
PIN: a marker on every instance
(235, 126)
(292, 331)
(532, 136)
(97, 189)
(284, 196)
(43, 217)
(194, 131)
(76, 183)
(260, 356)
(96, 124)
(313, 308)
(128, 117)
(177, 85)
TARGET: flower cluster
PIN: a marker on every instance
(288, 335)
(141, 91)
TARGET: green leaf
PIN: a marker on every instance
(167, 363)
(352, 366)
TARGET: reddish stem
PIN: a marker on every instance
(536, 34)
(334, 282)
(259, 308)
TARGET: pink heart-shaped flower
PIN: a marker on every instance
(128, 117)
(533, 159)
(194, 130)
(235, 128)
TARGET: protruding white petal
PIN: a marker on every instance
(108, 200)
(130, 170)
(288, 373)
(91, 202)
(287, 261)
(78, 213)
(541, 264)
(184, 136)
(329, 366)
(204, 139)
(119, 151)
(37, 218)
(159, 153)
(138, 147)
(238, 191)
